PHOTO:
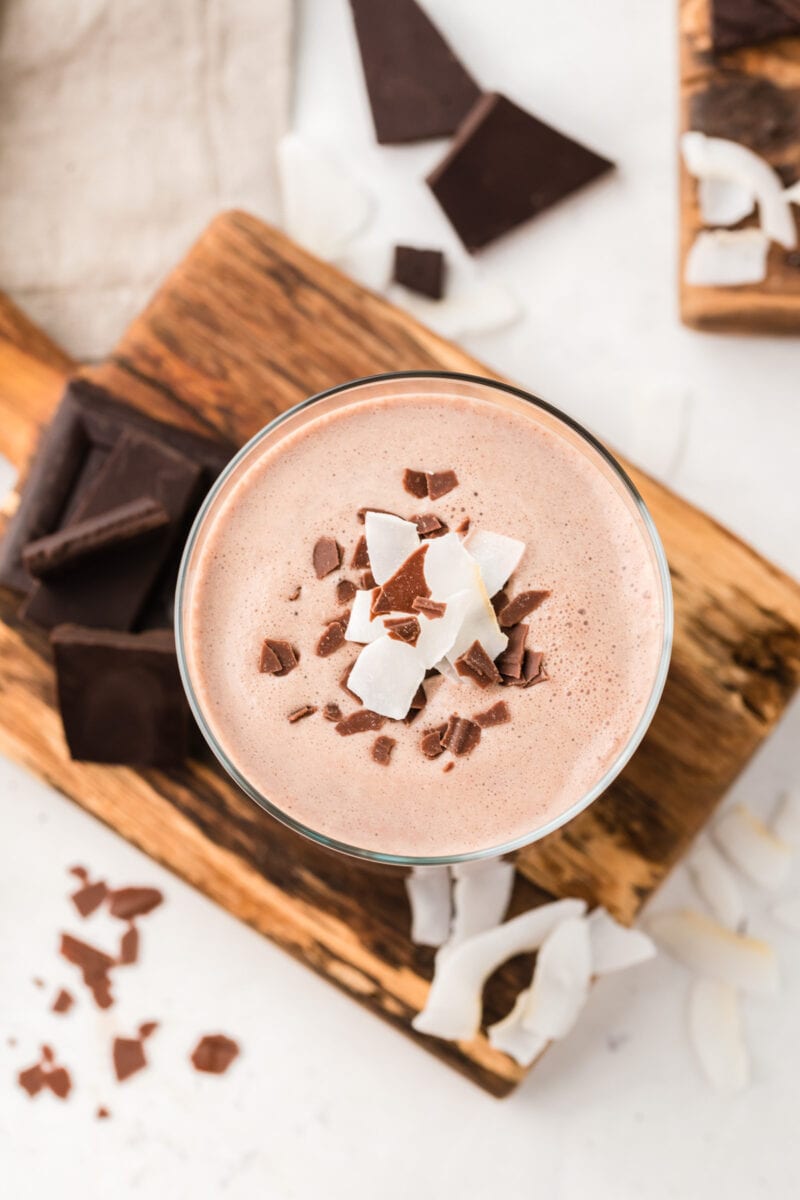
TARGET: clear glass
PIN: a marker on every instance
(441, 384)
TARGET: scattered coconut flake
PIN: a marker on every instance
(428, 891)
(561, 980)
(719, 158)
(453, 1007)
(615, 947)
(438, 636)
(750, 846)
(449, 568)
(390, 541)
(497, 556)
(711, 950)
(360, 627)
(715, 1029)
(785, 823)
(481, 893)
(512, 1038)
(471, 306)
(480, 623)
(727, 258)
(716, 883)
(386, 675)
(724, 201)
(787, 912)
(323, 206)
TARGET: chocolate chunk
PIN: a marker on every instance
(403, 629)
(499, 601)
(417, 704)
(63, 1002)
(295, 594)
(432, 609)
(31, 1080)
(360, 559)
(332, 712)
(59, 1082)
(368, 581)
(417, 87)
(80, 873)
(121, 696)
(533, 668)
(382, 749)
(214, 1053)
(362, 513)
(505, 166)
(277, 657)
(510, 661)
(69, 547)
(93, 965)
(398, 593)
(461, 735)
(464, 526)
(429, 525)
(737, 23)
(498, 714)
(327, 556)
(128, 1056)
(102, 1113)
(364, 721)
(440, 483)
(331, 640)
(307, 710)
(147, 1029)
(476, 665)
(129, 947)
(89, 897)
(420, 271)
(431, 742)
(416, 483)
(343, 683)
(130, 902)
(521, 606)
(345, 591)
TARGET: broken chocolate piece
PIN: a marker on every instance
(382, 749)
(475, 664)
(498, 714)
(464, 526)
(307, 710)
(521, 606)
(89, 897)
(421, 271)
(332, 712)
(63, 1002)
(80, 873)
(417, 87)
(214, 1053)
(31, 1080)
(431, 742)
(499, 601)
(364, 721)
(510, 661)
(432, 609)
(461, 735)
(738, 23)
(360, 559)
(368, 581)
(407, 584)
(327, 556)
(505, 166)
(147, 1028)
(129, 947)
(277, 658)
(130, 902)
(58, 1081)
(343, 684)
(403, 629)
(429, 525)
(440, 483)
(128, 1056)
(121, 696)
(420, 699)
(332, 639)
(70, 546)
(345, 591)
(416, 483)
(93, 965)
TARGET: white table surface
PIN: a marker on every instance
(326, 1101)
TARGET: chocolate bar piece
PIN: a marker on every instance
(420, 271)
(505, 166)
(120, 696)
(118, 526)
(737, 23)
(417, 87)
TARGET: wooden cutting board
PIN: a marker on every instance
(750, 96)
(247, 325)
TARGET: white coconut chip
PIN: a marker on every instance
(787, 913)
(453, 1007)
(429, 896)
(724, 201)
(323, 207)
(716, 882)
(615, 947)
(449, 673)
(749, 845)
(361, 627)
(727, 258)
(479, 624)
(437, 635)
(390, 541)
(785, 823)
(718, 158)
(449, 568)
(512, 1038)
(386, 675)
(481, 892)
(497, 556)
(715, 1030)
(561, 980)
(470, 306)
(711, 950)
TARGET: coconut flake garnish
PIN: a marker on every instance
(449, 568)
(360, 627)
(787, 913)
(323, 207)
(390, 541)
(615, 947)
(437, 637)
(453, 1007)
(785, 823)
(428, 891)
(560, 980)
(724, 201)
(711, 950)
(716, 882)
(481, 892)
(727, 258)
(755, 850)
(719, 158)
(715, 1030)
(386, 675)
(479, 624)
(497, 556)
(512, 1038)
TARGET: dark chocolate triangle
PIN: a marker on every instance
(417, 87)
(737, 23)
(504, 166)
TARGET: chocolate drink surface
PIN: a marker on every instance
(587, 587)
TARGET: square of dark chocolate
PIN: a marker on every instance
(420, 270)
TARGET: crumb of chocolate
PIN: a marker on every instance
(59, 1082)
(523, 604)
(398, 593)
(498, 714)
(326, 556)
(48, 1054)
(345, 591)
(332, 712)
(94, 966)
(510, 661)
(432, 609)
(130, 902)
(448, 766)
(382, 749)
(416, 483)
(364, 721)
(102, 1113)
(299, 714)
(464, 526)
(343, 683)
(476, 665)
(430, 526)
(368, 581)
(295, 595)
(31, 1079)
(46, 1074)
(63, 1002)
(461, 735)
(440, 483)
(89, 897)
(129, 947)
(431, 742)
(37, 982)
(80, 873)
(147, 1028)
(403, 629)
(360, 559)
(332, 639)
(277, 657)
(214, 1053)
(128, 1057)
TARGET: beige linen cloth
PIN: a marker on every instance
(125, 125)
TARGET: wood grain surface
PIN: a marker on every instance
(247, 325)
(751, 96)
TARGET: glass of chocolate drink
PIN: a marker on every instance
(424, 618)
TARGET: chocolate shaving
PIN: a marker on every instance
(403, 629)
(382, 749)
(102, 1113)
(440, 483)
(332, 712)
(448, 767)
(327, 556)
(214, 1053)
(128, 1056)
(147, 1028)
(364, 721)
(475, 664)
(461, 735)
(399, 594)
(521, 606)
(431, 742)
(498, 714)
(421, 271)
(307, 710)
(368, 580)
(499, 600)
(63, 1002)
(89, 897)
(94, 966)
(464, 526)
(430, 526)
(510, 661)
(532, 671)
(331, 640)
(48, 1054)
(31, 1080)
(131, 902)
(416, 483)
(277, 658)
(343, 683)
(360, 559)
(295, 595)
(59, 1082)
(80, 873)
(417, 704)
(345, 591)
(432, 609)
(129, 947)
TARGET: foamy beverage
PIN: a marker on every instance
(367, 535)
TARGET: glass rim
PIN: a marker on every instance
(625, 754)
